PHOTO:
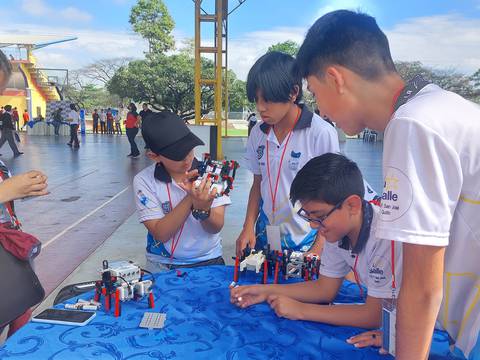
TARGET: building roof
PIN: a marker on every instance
(34, 41)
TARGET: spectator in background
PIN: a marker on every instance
(118, 126)
(26, 118)
(95, 118)
(16, 118)
(109, 121)
(73, 119)
(132, 124)
(252, 121)
(8, 130)
(103, 118)
(57, 120)
(145, 111)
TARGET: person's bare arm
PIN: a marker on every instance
(31, 183)
(163, 229)
(419, 300)
(366, 315)
(322, 290)
(247, 236)
(215, 221)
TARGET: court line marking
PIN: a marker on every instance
(63, 232)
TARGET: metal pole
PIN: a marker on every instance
(198, 75)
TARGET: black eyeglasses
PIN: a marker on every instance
(305, 215)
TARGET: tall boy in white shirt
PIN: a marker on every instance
(431, 166)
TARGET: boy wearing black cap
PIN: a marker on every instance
(183, 220)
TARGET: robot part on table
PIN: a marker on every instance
(123, 280)
(292, 264)
(221, 173)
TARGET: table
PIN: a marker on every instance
(201, 324)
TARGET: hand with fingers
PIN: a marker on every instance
(201, 196)
(286, 307)
(31, 183)
(246, 237)
(244, 296)
(368, 338)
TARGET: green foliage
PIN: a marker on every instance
(237, 92)
(289, 47)
(447, 79)
(90, 97)
(165, 82)
(151, 19)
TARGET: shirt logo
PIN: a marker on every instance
(379, 271)
(294, 160)
(142, 198)
(397, 194)
(260, 151)
(166, 207)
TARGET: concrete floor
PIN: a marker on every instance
(89, 215)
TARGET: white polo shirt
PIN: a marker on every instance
(374, 265)
(311, 137)
(73, 117)
(431, 164)
(152, 201)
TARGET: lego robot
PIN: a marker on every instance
(123, 280)
(221, 173)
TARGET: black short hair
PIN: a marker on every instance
(5, 65)
(273, 75)
(329, 178)
(73, 107)
(347, 38)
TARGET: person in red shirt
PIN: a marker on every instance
(26, 118)
(131, 124)
(16, 119)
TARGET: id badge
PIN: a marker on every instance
(273, 237)
(389, 319)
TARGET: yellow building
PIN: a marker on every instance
(29, 87)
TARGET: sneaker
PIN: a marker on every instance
(129, 155)
(135, 156)
(69, 144)
(18, 154)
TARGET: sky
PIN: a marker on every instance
(442, 34)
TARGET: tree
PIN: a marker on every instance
(447, 79)
(88, 95)
(151, 19)
(165, 82)
(102, 71)
(237, 92)
(289, 47)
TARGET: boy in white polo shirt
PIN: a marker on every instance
(279, 145)
(431, 166)
(330, 190)
(183, 220)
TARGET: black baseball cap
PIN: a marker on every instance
(166, 134)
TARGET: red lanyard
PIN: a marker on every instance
(174, 241)
(273, 194)
(357, 278)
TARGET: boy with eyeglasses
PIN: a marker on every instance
(330, 190)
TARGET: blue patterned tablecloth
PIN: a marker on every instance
(201, 324)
